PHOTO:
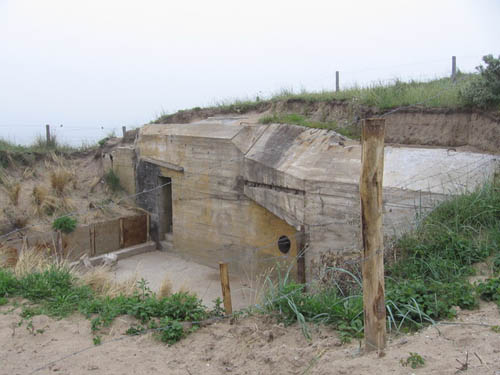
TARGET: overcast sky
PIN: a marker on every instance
(119, 62)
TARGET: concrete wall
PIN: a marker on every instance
(124, 161)
(212, 218)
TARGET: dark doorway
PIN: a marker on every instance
(166, 216)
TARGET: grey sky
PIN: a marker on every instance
(120, 62)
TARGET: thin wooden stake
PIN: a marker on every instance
(453, 68)
(370, 189)
(47, 133)
(226, 290)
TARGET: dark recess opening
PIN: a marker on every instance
(166, 216)
(284, 244)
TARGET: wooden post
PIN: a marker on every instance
(370, 189)
(92, 239)
(124, 130)
(301, 257)
(47, 133)
(226, 290)
(337, 81)
(122, 237)
(453, 68)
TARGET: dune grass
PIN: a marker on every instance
(437, 93)
(424, 286)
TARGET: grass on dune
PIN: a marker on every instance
(437, 93)
(424, 286)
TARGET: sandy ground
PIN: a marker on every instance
(253, 345)
(185, 275)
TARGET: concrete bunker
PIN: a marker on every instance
(234, 190)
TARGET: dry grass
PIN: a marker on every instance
(101, 280)
(18, 218)
(12, 189)
(8, 256)
(34, 259)
(59, 179)
(39, 196)
(165, 288)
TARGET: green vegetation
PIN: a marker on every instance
(383, 96)
(351, 131)
(10, 152)
(113, 181)
(65, 224)
(425, 285)
(483, 90)
(415, 361)
(56, 292)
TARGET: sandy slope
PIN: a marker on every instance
(252, 345)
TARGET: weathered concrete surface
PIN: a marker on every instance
(128, 252)
(188, 276)
(124, 160)
(237, 187)
(212, 218)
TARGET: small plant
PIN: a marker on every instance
(415, 361)
(496, 329)
(97, 340)
(218, 310)
(113, 181)
(103, 141)
(65, 224)
(170, 331)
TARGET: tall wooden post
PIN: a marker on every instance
(370, 189)
(47, 133)
(337, 81)
(453, 68)
(226, 290)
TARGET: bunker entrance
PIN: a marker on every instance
(166, 216)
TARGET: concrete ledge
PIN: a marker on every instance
(123, 253)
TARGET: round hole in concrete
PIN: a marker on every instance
(284, 244)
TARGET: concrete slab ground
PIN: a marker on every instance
(202, 280)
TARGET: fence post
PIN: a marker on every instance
(370, 189)
(226, 290)
(337, 81)
(47, 133)
(124, 130)
(453, 68)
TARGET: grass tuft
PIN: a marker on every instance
(59, 179)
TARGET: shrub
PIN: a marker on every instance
(65, 224)
(484, 90)
(170, 331)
